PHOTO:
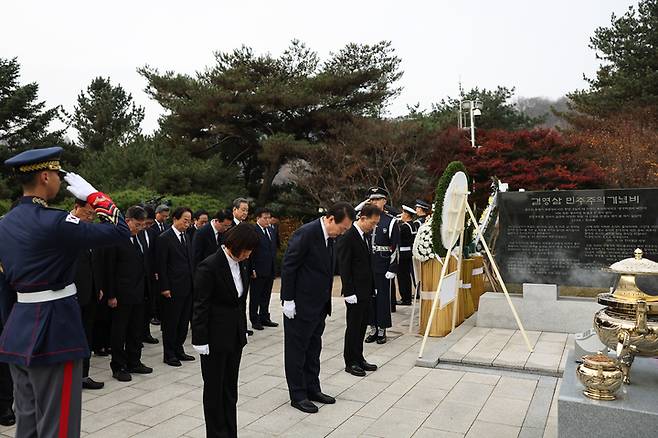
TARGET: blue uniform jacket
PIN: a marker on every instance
(39, 249)
(386, 233)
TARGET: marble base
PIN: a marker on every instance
(634, 414)
(540, 309)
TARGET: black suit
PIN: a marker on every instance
(174, 262)
(205, 243)
(87, 284)
(126, 280)
(306, 278)
(219, 320)
(262, 263)
(355, 266)
(148, 239)
(159, 228)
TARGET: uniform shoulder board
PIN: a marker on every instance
(72, 219)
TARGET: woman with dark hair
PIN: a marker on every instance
(219, 326)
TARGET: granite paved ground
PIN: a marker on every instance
(399, 400)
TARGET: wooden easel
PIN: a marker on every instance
(460, 228)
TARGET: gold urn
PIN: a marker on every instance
(601, 376)
(629, 322)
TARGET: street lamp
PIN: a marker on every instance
(474, 108)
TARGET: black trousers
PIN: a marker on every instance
(405, 275)
(302, 346)
(380, 309)
(102, 326)
(259, 299)
(126, 335)
(88, 313)
(6, 387)
(355, 332)
(148, 314)
(220, 393)
(176, 314)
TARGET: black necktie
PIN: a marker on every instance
(161, 226)
(182, 239)
(136, 244)
(330, 247)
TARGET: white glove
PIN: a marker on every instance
(289, 309)
(351, 299)
(389, 275)
(202, 349)
(78, 186)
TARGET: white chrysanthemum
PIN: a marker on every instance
(422, 248)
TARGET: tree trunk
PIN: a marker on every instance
(268, 176)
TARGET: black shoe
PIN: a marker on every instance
(322, 398)
(155, 321)
(368, 366)
(101, 352)
(355, 370)
(393, 310)
(250, 332)
(122, 375)
(257, 326)
(270, 324)
(89, 383)
(371, 338)
(173, 362)
(151, 340)
(381, 339)
(404, 303)
(185, 357)
(140, 369)
(7, 417)
(304, 406)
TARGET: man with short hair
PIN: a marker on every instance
(87, 284)
(148, 237)
(209, 238)
(39, 248)
(175, 270)
(262, 277)
(161, 215)
(358, 286)
(125, 279)
(240, 210)
(199, 219)
(307, 275)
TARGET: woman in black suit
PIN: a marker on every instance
(219, 326)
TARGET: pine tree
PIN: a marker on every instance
(106, 114)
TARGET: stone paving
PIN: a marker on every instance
(399, 400)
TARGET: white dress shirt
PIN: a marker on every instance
(178, 234)
(235, 272)
(324, 231)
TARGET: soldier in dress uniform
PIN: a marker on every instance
(44, 339)
(405, 270)
(423, 210)
(385, 242)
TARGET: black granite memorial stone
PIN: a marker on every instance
(565, 237)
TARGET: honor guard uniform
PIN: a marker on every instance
(405, 269)
(385, 242)
(43, 338)
(422, 211)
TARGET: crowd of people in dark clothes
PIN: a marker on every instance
(181, 269)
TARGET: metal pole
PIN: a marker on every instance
(472, 124)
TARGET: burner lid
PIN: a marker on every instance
(635, 265)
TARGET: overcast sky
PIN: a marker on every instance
(539, 47)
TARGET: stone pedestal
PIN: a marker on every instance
(634, 414)
(540, 308)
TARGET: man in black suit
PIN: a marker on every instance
(219, 327)
(161, 215)
(125, 278)
(87, 281)
(149, 236)
(199, 219)
(262, 277)
(358, 286)
(175, 270)
(209, 237)
(307, 275)
(240, 210)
